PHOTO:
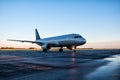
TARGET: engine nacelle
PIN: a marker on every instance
(46, 46)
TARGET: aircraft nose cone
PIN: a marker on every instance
(84, 41)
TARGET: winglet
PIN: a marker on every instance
(37, 34)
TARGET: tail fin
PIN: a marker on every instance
(37, 34)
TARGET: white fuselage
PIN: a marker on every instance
(64, 40)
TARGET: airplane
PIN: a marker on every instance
(71, 41)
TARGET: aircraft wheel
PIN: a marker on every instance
(60, 50)
(44, 50)
(74, 50)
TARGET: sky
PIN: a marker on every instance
(98, 21)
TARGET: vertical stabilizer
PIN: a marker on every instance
(37, 34)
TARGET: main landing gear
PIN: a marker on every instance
(61, 49)
(44, 50)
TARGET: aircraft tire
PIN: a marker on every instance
(60, 50)
(44, 50)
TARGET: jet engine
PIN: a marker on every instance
(46, 47)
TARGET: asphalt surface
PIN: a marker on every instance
(53, 65)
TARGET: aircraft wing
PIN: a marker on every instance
(37, 42)
(22, 41)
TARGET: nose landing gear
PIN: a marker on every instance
(74, 48)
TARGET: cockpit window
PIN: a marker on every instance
(77, 37)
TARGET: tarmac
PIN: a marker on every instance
(54, 65)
